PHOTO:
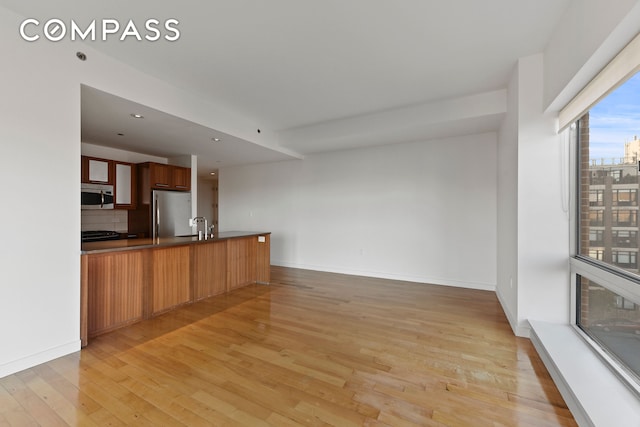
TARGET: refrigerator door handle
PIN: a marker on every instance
(157, 208)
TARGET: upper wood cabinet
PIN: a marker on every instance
(181, 178)
(97, 171)
(166, 177)
(125, 185)
(121, 175)
(159, 175)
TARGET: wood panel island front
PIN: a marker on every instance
(125, 281)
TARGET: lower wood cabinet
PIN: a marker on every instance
(263, 260)
(241, 262)
(115, 294)
(171, 278)
(124, 286)
(209, 262)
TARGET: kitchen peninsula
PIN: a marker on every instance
(125, 281)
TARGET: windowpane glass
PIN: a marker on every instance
(608, 226)
(612, 320)
(609, 155)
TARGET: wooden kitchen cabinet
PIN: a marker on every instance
(241, 262)
(181, 178)
(114, 293)
(263, 259)
(209, 269)
(159, 176)
(120, 285)
(121, 175)
(125, 185)
(96, 171)
(170, 284)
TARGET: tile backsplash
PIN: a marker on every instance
(110, 220)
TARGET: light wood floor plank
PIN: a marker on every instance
(13, 413)
(30, 401)
(311, 349)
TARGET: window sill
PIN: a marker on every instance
(593, 393)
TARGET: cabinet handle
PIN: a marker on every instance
(161, 185)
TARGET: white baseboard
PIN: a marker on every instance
(518, 329)
(38, 358)
(390, 276)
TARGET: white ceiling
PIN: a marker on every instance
(107, 120)
(320, 75)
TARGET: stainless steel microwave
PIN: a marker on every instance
(96, 196)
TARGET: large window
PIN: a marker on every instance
(611, 320)
(605, 268)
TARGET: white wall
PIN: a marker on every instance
(533, 204)
(39, 247)
(40, 122)
(533, 231)
(423, 212)
(507, 268)
(543, 204)
(205, 198)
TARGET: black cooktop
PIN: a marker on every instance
(99, 235)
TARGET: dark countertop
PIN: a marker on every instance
(132, 244)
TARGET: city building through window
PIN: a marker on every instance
(605, 268)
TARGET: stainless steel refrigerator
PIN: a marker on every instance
(171, 213)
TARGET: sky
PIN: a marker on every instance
(614, 121)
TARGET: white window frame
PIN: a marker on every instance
(581, 266)
(614, 283)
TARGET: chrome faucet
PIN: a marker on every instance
(199, 220)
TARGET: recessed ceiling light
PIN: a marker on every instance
(212, 173)
(216, 139)
(137, 116)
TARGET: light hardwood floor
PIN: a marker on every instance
(310, 349)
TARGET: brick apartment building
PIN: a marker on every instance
(613, 210)
(610, 227)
